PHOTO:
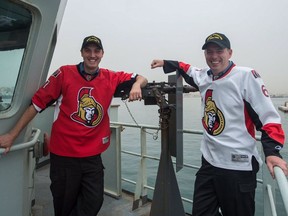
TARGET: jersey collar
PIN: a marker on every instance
(210, 73)
(87, 76)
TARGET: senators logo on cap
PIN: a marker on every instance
(214, 36)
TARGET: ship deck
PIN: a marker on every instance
(117, 206)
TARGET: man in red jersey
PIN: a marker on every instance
(235, 102)
(80, 130)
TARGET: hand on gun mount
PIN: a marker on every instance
(148, 91)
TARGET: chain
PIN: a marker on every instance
(154, 135)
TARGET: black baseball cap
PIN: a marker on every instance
(92, 40)
(217, 38)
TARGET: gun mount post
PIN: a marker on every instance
(166, 199)
(176, 121)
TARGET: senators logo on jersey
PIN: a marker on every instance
(213, 120)
(90, 112)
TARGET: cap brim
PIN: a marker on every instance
(215, 42)
(97, 44)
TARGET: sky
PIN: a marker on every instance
(134, 32)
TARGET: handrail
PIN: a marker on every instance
(279, 174)
(35, 134)
(283, 185)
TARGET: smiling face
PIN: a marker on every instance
(217, 58)
(92, 56)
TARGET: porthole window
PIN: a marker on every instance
(15, 22)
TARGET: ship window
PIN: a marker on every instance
(15, 22)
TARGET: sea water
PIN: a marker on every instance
(129, 112)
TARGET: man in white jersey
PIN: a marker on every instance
(235, 102)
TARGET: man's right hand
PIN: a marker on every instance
(6, 142)
(157, 63)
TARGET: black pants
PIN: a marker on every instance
(231, 191)
(77, 185)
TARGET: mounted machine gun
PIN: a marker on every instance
(166, 199)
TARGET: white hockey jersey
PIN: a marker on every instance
(233, 106)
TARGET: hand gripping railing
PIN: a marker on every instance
(35, 135)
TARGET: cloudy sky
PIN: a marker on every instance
(134, 32)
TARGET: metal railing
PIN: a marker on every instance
(141, 185)
(34, 139)
(283, 186)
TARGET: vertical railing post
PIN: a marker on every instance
(267, 180)
(144, 165)
(140, 191)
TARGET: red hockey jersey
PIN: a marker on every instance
(81, 122)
